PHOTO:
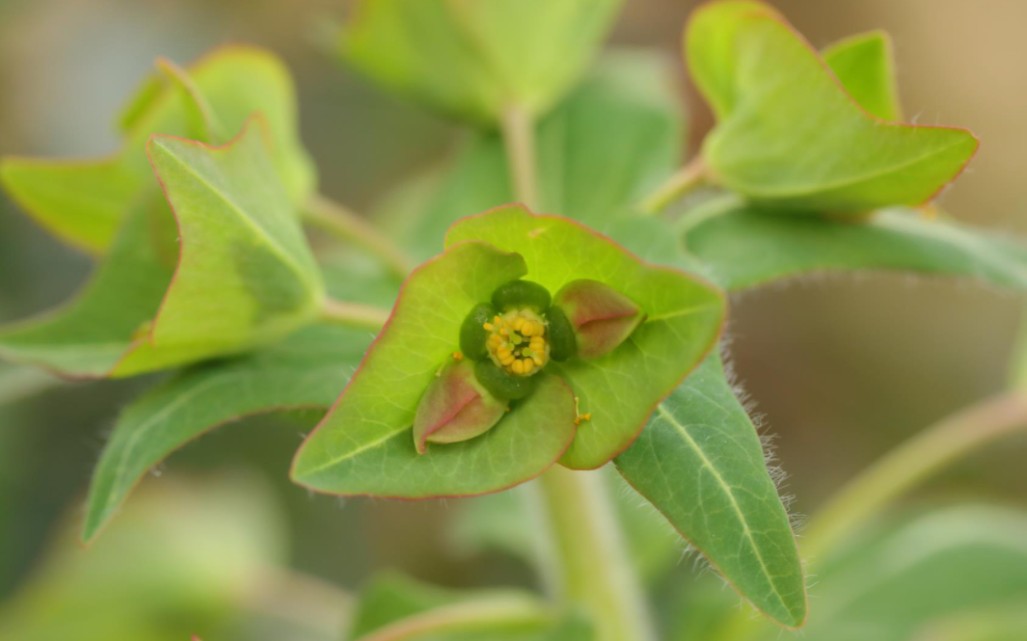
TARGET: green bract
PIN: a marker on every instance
(243, 274)
(789, 135)
(477, 59)
(85, 202)
(369, 429)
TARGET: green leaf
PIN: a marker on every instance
(599, 151)
(700, 462)
(745, 248)
(788, 135)
(476, 59)
(396, 608)
(245, 275)
(87, 337)
(84, 202)
(915, 576)
(865, 65)
(306, 370)
(369, 429)
(620, 390)
(180, 562)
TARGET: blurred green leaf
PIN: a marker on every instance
(180, 561)
(788, 135)
(700, 462)
(245, 275)
(90, 334)
(475, 59)
(84, 202)
(599, 151)
(900, 582)
(306, 370)
(1005, 622)
(865, 66)
(369, 429)
(745, 248)
(392, 603)
(620, 389)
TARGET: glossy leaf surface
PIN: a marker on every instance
(700, 462)
(477, 59)
(620, 389)
(788, 135)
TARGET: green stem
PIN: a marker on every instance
(519, 138)
(688, 178)
(353, 314)
(343, 223)
(911, 463)
(592, 566)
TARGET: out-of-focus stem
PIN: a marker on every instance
(519, 139)
(676, 187)
(353, 314)
(912, 462)
(592, 565)
(343, 223)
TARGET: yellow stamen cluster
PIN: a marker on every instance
(517, 342)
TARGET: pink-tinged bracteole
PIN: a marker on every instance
(602, 317)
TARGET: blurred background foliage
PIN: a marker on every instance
(841, 369)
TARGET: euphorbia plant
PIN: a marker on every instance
(571, 322)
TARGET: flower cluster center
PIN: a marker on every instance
(517, 342)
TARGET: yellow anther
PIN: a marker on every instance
(457, 356)
(516, 343)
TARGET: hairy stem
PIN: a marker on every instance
(339, 221)
(676, 187)
(353, 314)
(911, 463)
(519, 138)
(592, 566)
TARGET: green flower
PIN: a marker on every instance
(503, 378)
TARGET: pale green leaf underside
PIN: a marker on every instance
(84, 202)
(864, 65)
(923, 575)
(789, 135)
(475, 59)
(365, 444)
(245, 275)
(620, 389)
(700, 462)
(745, 248)
(599, 151)
(306, 370)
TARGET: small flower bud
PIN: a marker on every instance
(602, 317)
(455, 408)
